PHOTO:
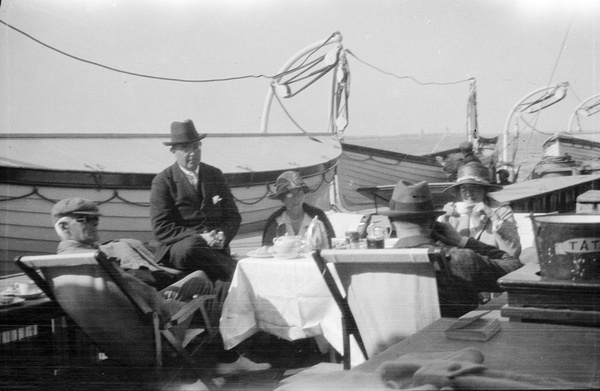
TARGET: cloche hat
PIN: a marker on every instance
(74, 206)
(184, 132)
(287, 182)
(411, 200)
(473, 173)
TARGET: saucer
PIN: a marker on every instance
(31, 296)
(28, 296)
(16, 301)
(287, 256)
(256, 254)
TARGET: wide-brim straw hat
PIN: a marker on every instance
(473, 173)
(411, 200)
(183, 133)
(288, 181)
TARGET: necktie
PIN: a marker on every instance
(193, 178)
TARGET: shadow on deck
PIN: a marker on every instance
(38, 363)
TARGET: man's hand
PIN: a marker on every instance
(214, 238)
(446, 234)
(450, 209)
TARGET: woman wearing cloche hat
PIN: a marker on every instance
(295, 215)
(478, 216)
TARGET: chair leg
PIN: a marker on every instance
(157, 340)
(188, 360)
(346, 339)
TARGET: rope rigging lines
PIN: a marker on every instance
(304, 66)
(304, 72)
(322, 180)
(141, 74)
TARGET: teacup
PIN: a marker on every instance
(25, 288)
(464, 208)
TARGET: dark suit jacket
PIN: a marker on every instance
(177, 210)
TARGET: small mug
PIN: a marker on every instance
(375, 243)
(381, 232)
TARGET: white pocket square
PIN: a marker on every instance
(216, 199)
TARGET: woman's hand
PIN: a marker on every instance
(482, 209)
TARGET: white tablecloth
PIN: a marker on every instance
(284, 297)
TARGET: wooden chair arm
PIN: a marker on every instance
(196, 304)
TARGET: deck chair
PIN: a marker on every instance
(349, 326)
(384, 295)
(116, 318)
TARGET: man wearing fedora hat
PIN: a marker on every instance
(477, 215)
(192, 210)
(471, 266)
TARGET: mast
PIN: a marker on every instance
(472, 126)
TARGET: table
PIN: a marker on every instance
(547, 350)
(40, 312)
(287, 298)
(567, 353)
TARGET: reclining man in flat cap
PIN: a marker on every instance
(76, 223)
(193, 213)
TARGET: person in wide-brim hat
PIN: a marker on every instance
(183, 133)
(410, 201)
(295, 216)
(478, 215)
(288, 182)
(473, 173)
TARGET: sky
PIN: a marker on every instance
(510, 47)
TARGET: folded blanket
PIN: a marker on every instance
(462, 370)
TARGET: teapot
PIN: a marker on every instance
(287, 244)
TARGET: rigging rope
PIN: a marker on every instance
(290, 117)
(145, 75)
(257, 76)
(409, 77)
(115, 195)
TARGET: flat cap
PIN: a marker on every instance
(466, 146)
(74, 206)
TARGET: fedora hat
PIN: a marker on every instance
(183, 133)
(411, 200)
(286, 182)
(473, 173)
